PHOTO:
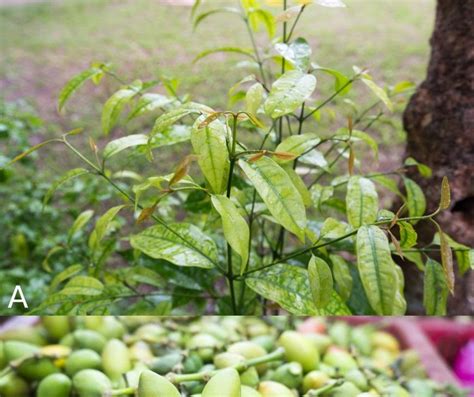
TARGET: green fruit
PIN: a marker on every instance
(314, 380)
(227, 359)
(115, 359)
(361, 338)
(37, 369)
(396, 391)
(357, 378)
(340, 334)
(24, 334)
(340, 359)
(204, 345)
(289, 374)
(82, 359)
(12, 385)
(300, 349)
(55, 385)
(3, 359)
(246, 391)
(88, 339)
(420, 388)
(274, 389)
(163, 365)
(225, 383)
(150, 332)
(386, 341)
(111, 328)
(154, 385)
(250, 377)
(347, 389)
(91, 383)
(140, 351)
(249, 350)
(192, 363)
(320, 341)
(266, 341)
(56, 326)
(14, 350)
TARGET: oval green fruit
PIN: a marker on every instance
(82, 359)
(347, 389)
(163, 365)
(115, 359)
(91, 383)
(300, 349)
(289, 374)
(270, 388)
(88, 339)
(154, 385)
(249, 350)
(357, 377)
(250, 377)
(204, 345)
(55, 385)
(225, 383)
(340, 359)
(227, 359)
(56, 326)
(314, 380)
(247, 391)
(12, 385)
(37, 369)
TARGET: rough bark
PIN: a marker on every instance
(439, 121)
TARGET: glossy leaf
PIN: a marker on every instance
(299, 185)
(64, 275)
(376, 269)
(236, 230)
(117, 145)
(254, 98)
(113, 107)
(435, 290)
(76, 82)
(447, 261)
(298, 53)
(320, 281)
(342, 276)
(400, 303)
(71, 174)
(321, 194)
(175, 134)
(259, 16)
(298, 144)
(289, 92)
(464, 254)
(288, 286)
(333, 229)
(180, 243)
(361, 201)
(201, 17)
(277, 191)
(148, 103)
(379, 92)
(235, 50)
(408, 235)
(416, 201)
(82, 219)
(342, 83)
(144, 275)
(102, 226)
(423, 169)
(83, 285)
(210, 145)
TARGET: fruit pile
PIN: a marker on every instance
(208, 357)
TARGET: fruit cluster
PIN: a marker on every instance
(207, 357)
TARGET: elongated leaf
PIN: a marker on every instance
(314, 158)
(416, 201)
(201, 17)
(342, 83)
(333, 229)
(298, 144)
(235, 50)
(388, 183)
(117, 145)
(342, 276)
(175, 134)
(71, 174)
(45, 264)
(445, 200)
(300, 186)
(356, 136)
(361, 201)
(259, 16)
(447, 261)
(320, 281)
(148, 103)
(166, 120)
(27, 152)
(181, 244)
(408, 235)
(400, 303)
(297, 53)
(464, 254)
(321, 194)
(148, 276)
(83, 285)
(278, 193)
(73, 84)
(289, 287)
(209, 143)
(416, 258)
(423, 169)
(113, 107)
(289, 92)
(254, 98)
(380, 93)
(82, 219)
(435, 290)
(64, 275)
(236, 230)
(102, 226)
(376, 269)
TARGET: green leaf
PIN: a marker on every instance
(83, 285)
(235, 50)
(464, 254)
(102, 226)
(210, 144)
(445, 200)
(76, 82)
(340, 80)
(379, 92)
(82, 219)
(299, 185)
(71, 174)
(64, 275)
(51, 252)
(236, 230)
(113, 107)
(416, 201)
(289, 92)
(201, 17)
(376, 269)
(298, 53)
(342, 276)
(254, 98)
(408, 235)
(333, 229)
(288, 286)
(117, 145)
(387, 183)
(180, 243)
(416, 258)
(166, 120)
(435, 290)
(175, 134)
(144, 275)
(361, 201)
(148, 103)
(321, 194)
(447, 261)
(278, 193)
(259, 16)
(400, 303)
(298, 145)
(320, 281)
(423, 169)
(357, 135)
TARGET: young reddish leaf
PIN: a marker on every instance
(182, 169)
(257, 156)
(284, 155)
(396, 244)
(146, 213)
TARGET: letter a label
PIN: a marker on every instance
(18, 297)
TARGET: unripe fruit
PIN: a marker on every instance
(24, 334)
(340, 334)
(225, 383)
(320, 341)
(14, 350)
(298, 348)
(273, 389)
(163, 365)
(56, 326)
(227, 359)
(12, 385)
(249, 350)
(383, 358)
(111, 328)
(140, 351)
(115, 359)
(314, 380)
(385, 341)
(82, 359)
(37, 369)
(347, 389)
(91, 383)
(250, 377)
(88, 339)
(395, 391)
(266, 341)
(246, 391)
(357, 378)
(361, 338)
(192, 363)
(204, 345)
(55, 385)
(154, 385)
(289, 374)
(340, 359)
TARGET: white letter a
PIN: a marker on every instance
(21, 299)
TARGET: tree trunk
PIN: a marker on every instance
(439, 120)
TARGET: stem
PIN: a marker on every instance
(295, 23)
